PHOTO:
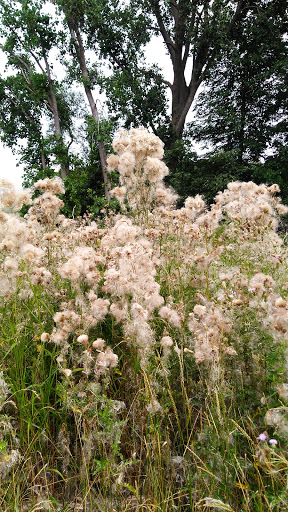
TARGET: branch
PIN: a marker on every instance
(16, 57)
(166, 82)
(151, 72)
(72, 139)
(175, 11)
(52, 99)
(204, 59)
(186, 53)
(37, 61)
(169, 43)
(17, 104)
(237, 15)
(29, 51)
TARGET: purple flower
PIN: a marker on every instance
(273, 441)
(263, 437)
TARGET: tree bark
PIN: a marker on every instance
(80, 51)
(43, 161)
(203, 50)
(55, 112)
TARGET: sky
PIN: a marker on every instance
(9, 170)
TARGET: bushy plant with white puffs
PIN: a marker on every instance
(142, 359)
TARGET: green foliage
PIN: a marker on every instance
(191, 174)
(84, 189)
(242, 107)
(137, 96)
(28, 91)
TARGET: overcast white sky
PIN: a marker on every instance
(155, 53)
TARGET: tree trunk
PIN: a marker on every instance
(202, 47)
(183, 95)
(57, 126)
(180, 95)
(43, 161)
(77, 40)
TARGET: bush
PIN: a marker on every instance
(144, 358)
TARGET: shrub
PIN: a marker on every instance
(144, 358)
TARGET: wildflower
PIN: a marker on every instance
(31, 254)
(177, 350)
(119, 193)
(118, 313)
(67, 372)
(45, 336)
(112, 162)
(283, 391)
(262, 437)
(105, 360)
(54, 185)
(200, 310)
(99, 308)
(273, 441)
(41, 275)
(208, 327)
(165, 196)
(277, 418)
(166, 342)
(260, 283)
(10, 264)
(10, 460)
(280, 303)
(139, 162)
(98, 344)
(83, 339)
(153, 407)
(171, 316)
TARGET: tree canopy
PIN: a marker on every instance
(244, 104)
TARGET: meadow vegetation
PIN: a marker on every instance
(144, 362)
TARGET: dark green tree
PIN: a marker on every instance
(243, 107)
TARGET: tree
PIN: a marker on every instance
(118, 33)
(244, 105)
(194, 32)
(115, 34)
(76, 19)
(31, 92)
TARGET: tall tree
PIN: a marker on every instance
(135, 91)
(244, 104)
(20, 118)
(75, 18)
(194, 33)
(31, 86)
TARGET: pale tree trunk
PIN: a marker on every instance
(79, 47)
(54, 108)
